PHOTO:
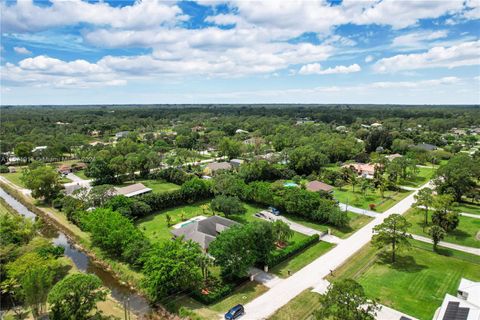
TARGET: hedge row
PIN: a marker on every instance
(278, 256)
(214, 295)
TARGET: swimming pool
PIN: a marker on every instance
(290, 184)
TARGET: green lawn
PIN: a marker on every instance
(424, 175)
(155, 226)
(81, 174)
(417, 283)
(357, 199)
(465, 234)
(356, 222)
(14, 177)
(469, 207)
(243, 294)
(299, 308)
(157, 186)
(301, 259)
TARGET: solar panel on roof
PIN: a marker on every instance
(454, 312)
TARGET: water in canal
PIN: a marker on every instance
(137, 303)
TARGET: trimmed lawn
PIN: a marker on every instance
(424, 175)
(357, 221)
(417, 283)
(155, 226)
(465, 234)
(243, 294)
(356, 199)
(469, 207)
(300, 308)
(81, 174)
(157, 186)
(301, 259)
(14, 177)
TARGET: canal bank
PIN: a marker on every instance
(81, 258)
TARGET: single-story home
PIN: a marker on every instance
(132, 190)
(236, 163)
(426, 146)
(214, 167)
(66, 168)
(465, 306)
(203, 231)
(394, 156)
(198, 129)
(238, 131)
(317, 186)
(121, 134)
(253, 141)
(365, 170)
(39, 148)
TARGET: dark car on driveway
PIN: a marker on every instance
(275, 211)
(235, 312)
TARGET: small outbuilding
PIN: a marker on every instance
(319, 186)
(132, 190)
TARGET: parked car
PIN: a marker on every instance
(274, 211)
(235, 312)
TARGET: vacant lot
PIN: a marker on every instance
(359, 200)
(423, 176)
(299, 308)
(465, 234)
(417, 283)
(357, 221)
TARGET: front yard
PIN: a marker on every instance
(423, 176)
(465, 234)
(357, 199)
(417, 283)
(300, 308)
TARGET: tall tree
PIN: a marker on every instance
(43, 180)
(346, 300)
(23, 150)
(437, 234)
(281, 232)
(445, 214)
(424, 200)
(76, 297)
(392, 232)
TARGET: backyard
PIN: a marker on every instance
(359, 200)
(423, 176)
(357, 221)
(465, 234)
(157, 186)
(417, 283)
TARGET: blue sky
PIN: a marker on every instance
(350, 51)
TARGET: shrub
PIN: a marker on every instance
(4, 169)
(227, 205)
(372, 206)
(216, 293)
(173, 175)
(278, 256)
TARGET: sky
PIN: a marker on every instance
(283, 51)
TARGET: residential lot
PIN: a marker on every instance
(424, 174)
(417, 283)
(300, 308)
(156, 185)
(465, 234)
(357, 199)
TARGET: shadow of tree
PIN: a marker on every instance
(403, 263)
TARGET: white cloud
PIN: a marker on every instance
(369, 58)
(417, 39)
(463, 54)
(316, 68)
(22, 50)
(415, 84)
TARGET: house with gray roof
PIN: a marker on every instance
(132, 190)
(203, 231)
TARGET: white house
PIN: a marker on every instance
(465, 306)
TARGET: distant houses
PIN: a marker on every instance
(132, 190)
(203, 231)
(365, 170)
(39, 148)
(121, 134)
(66, 168)
(426, 146)
(214, 167)
(240, 131)
(394, 156)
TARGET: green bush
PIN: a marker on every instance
(280, 255)
(4, 169)
(215, 294)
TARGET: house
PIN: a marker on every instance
(319, 186)
(426, 146)
(341, 129)
(203, 231)
(213, 167)
(132, 190)
(465, 306)
(95, 133)
(39, 148)
(198, 129)
(238, 131)
(376, 125)
(253, 141)
(121, 134)
(236, 163)
(65, 169)
(394, 156)
(365, 170)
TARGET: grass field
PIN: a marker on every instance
(301, 259)
(465, 234)
(423, 176)
(157, 186)
(356, 222)
(299, 308)
(469, 207)
(81, 174)
(357, 199)
(417, 283)
(243, 294)
(14, 177)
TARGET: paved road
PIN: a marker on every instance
(475, 251)
(471, 215)
(365, 212)
(312, 275)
